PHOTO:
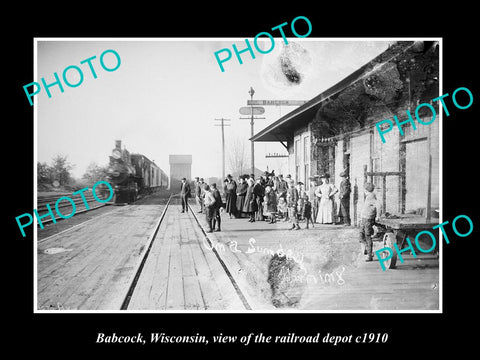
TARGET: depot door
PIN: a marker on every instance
(416, 175)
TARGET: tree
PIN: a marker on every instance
(43, 173)
(237, 157)
(95, 173)
(60, 169)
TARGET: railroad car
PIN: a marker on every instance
(148, 175)
(133, 175)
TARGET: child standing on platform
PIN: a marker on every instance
(282, 209)
(301, 199)
(270, 202)
(370, 212)
(217, 212)
(307, 211)
(209, 203)
(292, 199)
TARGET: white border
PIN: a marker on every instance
(278, 311)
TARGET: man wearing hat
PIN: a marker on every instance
(281, 187)
(292, 199)
(259, 193)
(217, 207)
(270, 180)
(199, 192)
(184, 194)
(344, 195)
(209, 202)
(369, 213)
(311, 195)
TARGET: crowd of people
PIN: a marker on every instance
(272, 198)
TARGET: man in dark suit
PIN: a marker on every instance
(345, 190)
(217, 218)
(184, 194)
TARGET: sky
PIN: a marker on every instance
(166, 94)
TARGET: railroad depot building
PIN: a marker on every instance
(335, 131)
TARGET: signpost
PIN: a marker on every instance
(277, 102)
(276, 155)
(252, 110)
(257, 110)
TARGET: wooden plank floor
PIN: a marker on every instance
(326, 250)
(414, 285)
(183, 273)
(98, 263)
(180, 274)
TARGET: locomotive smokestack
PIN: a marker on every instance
(118, 144)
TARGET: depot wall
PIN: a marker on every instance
(361, 148)
(407, 154)
(359, 156)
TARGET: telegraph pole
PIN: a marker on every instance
(222, 124)
(252, 146)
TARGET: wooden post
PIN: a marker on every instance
(384, 194)
(252, 145)
(429, 186)
(429, 193)
(355, 201)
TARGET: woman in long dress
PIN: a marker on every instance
(325, 193)
(250, 205)
(241, 192)
(259, 192)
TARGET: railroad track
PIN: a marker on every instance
(93, 205)
(141, 264)
(224, 266)
(42, 202)
(140, 267)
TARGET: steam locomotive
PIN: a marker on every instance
(133, 175)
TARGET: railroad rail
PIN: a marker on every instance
(224, 266)
(43, 200)
(140, 267)
(141, 264)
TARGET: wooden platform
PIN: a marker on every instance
(413, 285)
(96, 264)
(181, 273)
(91, 267)
(98, 261)
(326, 250)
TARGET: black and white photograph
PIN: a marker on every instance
(299, 181)
(268, 187)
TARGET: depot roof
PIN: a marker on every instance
(283, 128)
